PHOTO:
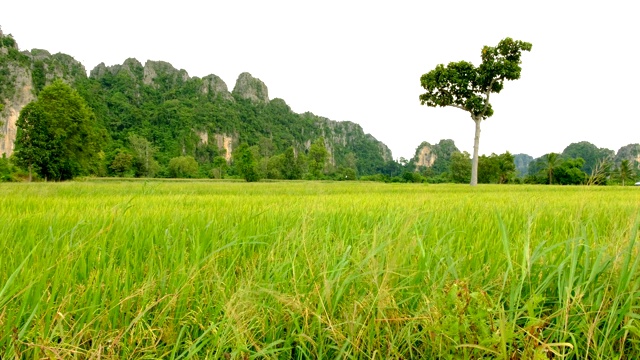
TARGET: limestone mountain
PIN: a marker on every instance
(522, 164)
(248, 87)
(629, 152)
(434, 158)
(22, 76)
(185, 115)
(179, 114)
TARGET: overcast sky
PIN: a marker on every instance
(362, 60)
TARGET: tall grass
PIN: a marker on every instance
(318, 270)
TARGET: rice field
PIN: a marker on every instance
(321, 270)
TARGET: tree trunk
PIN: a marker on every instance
(30, 176)
(476, 144)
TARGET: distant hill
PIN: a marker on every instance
(522, 164)
(631, 153)
(591, 154)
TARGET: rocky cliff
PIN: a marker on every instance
(631, 153)
(435, 158)
(346, 135)
(522, 162)
(248, 87)
(213, 84)
(22, 76)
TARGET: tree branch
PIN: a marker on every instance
(458, 106)
(488, 93)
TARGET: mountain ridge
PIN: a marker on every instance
(132, 98)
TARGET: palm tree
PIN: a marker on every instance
(624, 170)
(552, 163)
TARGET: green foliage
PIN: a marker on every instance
(553, 168)
(496, 169)
(7, 41)
(8, 171)
(122, 164)
(291, 167)
(347, 174)
(391, 168)
(166, 112)
(552, 162)
(318, 156)
(591, 154)
(411, 177)
(460, 168)
(246, 163)
(220, 167)
(38, 76)
(183, 167)
(463, 85)
(271, 167)
(570, 172)
(57, 134)
(144, 151)
(625, 173)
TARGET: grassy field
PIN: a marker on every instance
(318, 270)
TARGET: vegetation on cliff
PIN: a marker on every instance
(174, 116)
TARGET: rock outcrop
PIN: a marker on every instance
(215, 85)
(155, 69)
(436, 157)
(224, 142)
(344, 135)
(425, 156)
(631, 153)
(152, 70)
(12, 107)
(248, 87)
(24, 75)
(131, 66)
(522, 162)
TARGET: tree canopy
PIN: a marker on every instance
(464, 86)
(57, 136)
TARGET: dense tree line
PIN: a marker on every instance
(561, 169)
(59, 138)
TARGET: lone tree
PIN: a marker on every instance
(466, 87)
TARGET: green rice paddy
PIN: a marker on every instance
(297, 270)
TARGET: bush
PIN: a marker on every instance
(8, 171)
(122, 164)
(183, 167)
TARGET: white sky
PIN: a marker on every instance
(362, 60)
